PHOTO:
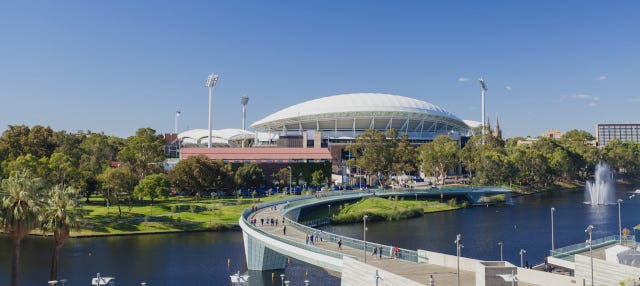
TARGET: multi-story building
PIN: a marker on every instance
(628, 132)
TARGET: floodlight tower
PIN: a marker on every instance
(244, 100)
(484, 90)
(211, 82)
(175, 130)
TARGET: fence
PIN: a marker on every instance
(387, 250)
(567, 252)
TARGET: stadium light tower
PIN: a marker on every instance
(484, 90)
(211, 82)
(244, 100)
(176, 127)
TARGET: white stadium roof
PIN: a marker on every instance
(222, 137)
(348, 114)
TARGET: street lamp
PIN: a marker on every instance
(458, 246)
(500, 244)
(212, 79)
(289, 167)
(286, 283)
(306, 282)
(522, 252)
(282, 279)
(364, 236)
(590, 242)
(329, 211)
(553, 210)
(619, 220)
(63, 281)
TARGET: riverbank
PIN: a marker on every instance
(173, 215)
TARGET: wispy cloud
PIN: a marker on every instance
(593, 100)
(463, 79)
(508, 87)
(603, 77)
(581, 96)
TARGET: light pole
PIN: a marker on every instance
(213, 206)
(289, 167)
(619, 220)
(553, 210)
(329, 211)
(458, 246)
(364, 236)
(500, 244)
(175, 130)
(244, 100)
(484, 90)
(590, 242)
(282, 279)
(211, 82)
(522, 252)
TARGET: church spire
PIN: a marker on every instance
(497, 132)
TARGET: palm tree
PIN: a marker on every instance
(20, 212)
(62, 212)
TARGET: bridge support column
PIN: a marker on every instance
(259, 257)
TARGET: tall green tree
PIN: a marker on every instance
(373, 154)
(62, 170)
(440, 155)
(153, 186)
(143, 153)
(62, 212)
(318, 178)
(119, 184)
(199, 173)
(20, 212)
(249, 176)
(98, 150)
(405, 159)
(621, 156)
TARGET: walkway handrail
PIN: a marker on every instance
(296, 202)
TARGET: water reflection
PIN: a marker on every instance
(526, 225)
(201, 258)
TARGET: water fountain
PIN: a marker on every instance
(600, 192)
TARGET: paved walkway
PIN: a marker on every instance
(414, 271)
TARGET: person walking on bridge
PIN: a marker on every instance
(432, 282)
(284, 230)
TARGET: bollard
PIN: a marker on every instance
(306, 275)
(228, 263)
(288, 260)
(273, 276)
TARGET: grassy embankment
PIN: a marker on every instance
(170, 215)
(378, 209)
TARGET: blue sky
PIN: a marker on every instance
(115, 66)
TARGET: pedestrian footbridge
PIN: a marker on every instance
(267, 247)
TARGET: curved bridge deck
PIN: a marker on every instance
(267, 247)
(418, 272)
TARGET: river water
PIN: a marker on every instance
(201, 258)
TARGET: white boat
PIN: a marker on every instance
(106, 281)
(237, 279)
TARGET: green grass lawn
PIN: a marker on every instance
(168, 215)
(388, 209)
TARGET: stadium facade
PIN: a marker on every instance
(330, 123)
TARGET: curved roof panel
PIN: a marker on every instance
(373, 103)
